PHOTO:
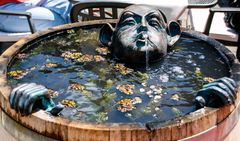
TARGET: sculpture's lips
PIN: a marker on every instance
(143, 43)
(141, 39)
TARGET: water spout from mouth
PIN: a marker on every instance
(147, 56)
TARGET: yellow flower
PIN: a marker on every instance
(71, 55)
(17, 74)
(70, 31)
(208, 79)
(126, 88)
(68, 103)
(77, 87)
(86, 58)
(125, 105)
(102, 50)
(98, 58)
(136, 100)
(122, 69)
(52, 93)
(50, 65)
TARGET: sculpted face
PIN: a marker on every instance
(141, 29)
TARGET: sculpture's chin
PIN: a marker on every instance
(146, 48)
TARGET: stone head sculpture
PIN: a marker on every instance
(141, 29)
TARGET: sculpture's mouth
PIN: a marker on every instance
(142, 37)
(143, 43)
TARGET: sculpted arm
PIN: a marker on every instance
(27, 98)
(218, 93)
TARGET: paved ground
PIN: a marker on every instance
(233, 49)
(5, 136)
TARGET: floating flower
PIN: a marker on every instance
(175, 97)
(125, 105)
(150, 92)
(17, 74)
(86, 58)
(68, 103)
(157, 109)
(52, 93)
(70, 31)
(98, 58)
(21, 55)
(142, 90)
(71, 55)
(208, 79)
(50, 65)
(77, 87)
(157, 98)
(152, 87)
(157, 90)
(128, 115)
(136, 100)
(102, 50)
(198, 72)
(122, 69)
(126, 88)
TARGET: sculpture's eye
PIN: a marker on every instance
(129, 22)
(155, 23)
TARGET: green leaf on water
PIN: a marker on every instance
(101, 117)
(176, 111)
(142, 76)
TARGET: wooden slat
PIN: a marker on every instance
(179, 131)
(87, 132)
(162, 135)
(114, 13)
(122, 132)
(102, 13)
(90, 13)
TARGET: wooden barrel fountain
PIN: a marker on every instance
(203, 124)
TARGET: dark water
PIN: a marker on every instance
(163, 92)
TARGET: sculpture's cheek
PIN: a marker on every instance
(126, 38)
(158, 40)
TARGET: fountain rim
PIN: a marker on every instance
(45, 124)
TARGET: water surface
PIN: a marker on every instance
(95, 87)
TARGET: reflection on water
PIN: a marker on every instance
(96, 88)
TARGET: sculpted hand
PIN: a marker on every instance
(216, 94)
(26, 98)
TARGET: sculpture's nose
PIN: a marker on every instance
(143, 26)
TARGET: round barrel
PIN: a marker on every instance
(213, 123)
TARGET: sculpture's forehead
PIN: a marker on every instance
(142, 10)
